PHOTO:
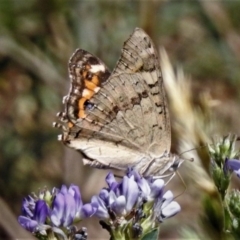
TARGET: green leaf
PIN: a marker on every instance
(151, 235)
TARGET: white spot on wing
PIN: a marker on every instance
(97, 68)
(60, 137)
(76, 91)
(96, 89)
(86, 92)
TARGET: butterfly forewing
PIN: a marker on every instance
(119, 120)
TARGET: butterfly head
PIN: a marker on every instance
(163, 166)
(176, 162)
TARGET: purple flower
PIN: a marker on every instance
(134, 205)
(119, 198)
(152, 190)
(67, 207)
(34, 214)
(28, 206)
(127, 208)
(101, 202)
(55, 211)
(232, 165)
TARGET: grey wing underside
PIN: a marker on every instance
(128, 117)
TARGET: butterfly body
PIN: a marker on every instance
(119, 119)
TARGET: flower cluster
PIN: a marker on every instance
(219, 151)
(53, 213)
(131, 208)
(225, 161)
(128, 209)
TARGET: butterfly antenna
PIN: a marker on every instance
(237, 139)
(193, 149)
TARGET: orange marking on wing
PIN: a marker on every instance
(81, 103)
(95, 80)
(87, 93)
(70, 124)
(90, 85)
(81, 114)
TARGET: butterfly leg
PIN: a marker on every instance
(94, 163)
(146, 167)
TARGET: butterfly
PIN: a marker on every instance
(120, 119)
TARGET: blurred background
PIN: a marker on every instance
(201, 74)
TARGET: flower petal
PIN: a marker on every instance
(74, 190)
(41, 211)
(58, 210)
(157, 188)
(104, 195)
(88, 210)
(130, 191)
(118, 206)
(111, 181)
(233, 164)
(64, 189)
(28, 206)
(170, 210)
(102, 211)
(167, 198)
(69, 210)
(144, 187)
(29, 224)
